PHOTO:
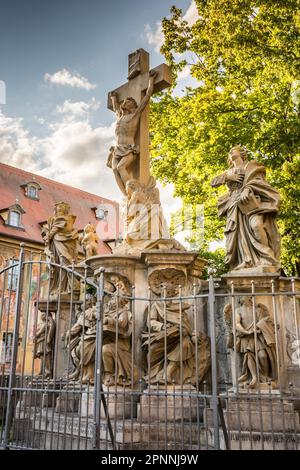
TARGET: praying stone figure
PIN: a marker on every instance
(43, 344)
(90, 241)
(254, 342)
(117, 349)
(72, 340)
(84, 352)
(61, 240)
(128, 118)
(250, 208)
(169, 328)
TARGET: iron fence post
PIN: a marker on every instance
(98, 359)
(214, 379)
(15, 344)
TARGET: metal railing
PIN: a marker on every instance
(202, 369)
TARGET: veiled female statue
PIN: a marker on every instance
(61, 241)
(250, 208)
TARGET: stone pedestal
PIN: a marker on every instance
(138, 269)
(61, 313)
(173, 404)
(121, 403)
(69, 399)
(266, 413)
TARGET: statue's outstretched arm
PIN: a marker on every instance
(115, 103)
(148, 94)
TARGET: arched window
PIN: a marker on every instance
(14, 218)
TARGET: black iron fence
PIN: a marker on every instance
(210, 368)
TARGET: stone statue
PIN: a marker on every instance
(117, 356)
(86, 347)
(250, 208)
(168, 326)
(146, 227)
(90, 241)
(43, 344)
(61, 240)
(128, 118)
(117, 328)
(252, 372)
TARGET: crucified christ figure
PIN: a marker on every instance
(128, 117)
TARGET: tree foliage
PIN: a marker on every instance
(246, 57)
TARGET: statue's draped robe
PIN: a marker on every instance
(117, 350)
(117, 361)
(43, 345)
(145, 219)
(181, 347)
(242, 246)
(265, 340)
(62, 249)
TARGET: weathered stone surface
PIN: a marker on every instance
(250, 206)
(172, 406)
(121, 403)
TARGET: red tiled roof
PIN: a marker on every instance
(36, 211)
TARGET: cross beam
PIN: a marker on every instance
(136, 86)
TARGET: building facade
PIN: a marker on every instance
(26, 202)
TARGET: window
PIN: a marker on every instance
(31, 189)
(101, 213)
(32, 192)
(6, 347)
(14, 218)
(13, 275)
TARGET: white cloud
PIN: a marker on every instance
(65, 78)
(191, 15)
(78, 108)
(74, 153)
(184, 73)
(155, 36)
(16, 145)
(169, 203)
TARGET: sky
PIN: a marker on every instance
(58, 61)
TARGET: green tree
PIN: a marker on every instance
(246, 56)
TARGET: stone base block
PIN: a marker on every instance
(171, 405)
(121, 403)
(246, 440)
(69, 398)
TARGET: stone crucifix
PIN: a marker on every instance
(129, 158)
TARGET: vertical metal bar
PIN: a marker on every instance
(236, 366)
(98, 390)
(181, 364)
(276, 334)
(132, 377)
(212, 328)
(197, 365)
(81, 342)
(12, 372)
(295, 315)
(98, 360)
(164, 294)
(257, 364)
